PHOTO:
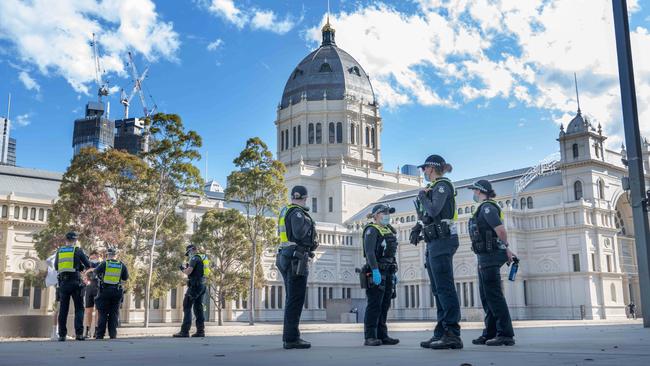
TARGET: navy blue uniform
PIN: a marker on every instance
(439, 204)
(108, 302)
(193, 299)
(497, 317)
(70, 287)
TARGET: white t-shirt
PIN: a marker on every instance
(52, 275)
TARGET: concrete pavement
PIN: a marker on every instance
(538, 343)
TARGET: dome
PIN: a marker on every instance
(578, 124)
(328, 72)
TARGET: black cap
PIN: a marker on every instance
(72, 235)
(188, 247)
(382, 208)
(433, 160)
(482, 185)
(111, 251)
(298, 192)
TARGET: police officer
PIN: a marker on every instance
(379, 249)
(297, 233)
(490, 243)
(70, 261)
(196, 270)
(111, 273)
(436, 206)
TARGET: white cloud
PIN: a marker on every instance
(450, 52)
(213, 46)
(23, 120)
(28, 81)
(256, 18)
(56, 39)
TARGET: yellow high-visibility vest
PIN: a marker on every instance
(66, 259)
(113, 273)
(282, 227)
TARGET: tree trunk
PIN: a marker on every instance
(251, 294)
(220, 305)
(147, 293)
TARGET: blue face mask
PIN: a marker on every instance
(385, 220)
(476, 197)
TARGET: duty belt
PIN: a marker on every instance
(286, 245)
(392, 267)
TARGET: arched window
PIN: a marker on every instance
(412, 217)
(5, 211)
(325, 68)
(299, 135)
(612, 290)
(473, 209)
(522, 203)
(282, 141)
(17, 212)
(577, 190)
(508, 203)
(460, 211)
(372, 137)
(601, 189)
(41, 215)
(32, 214)
(501, 204)
(352, 134)
(332, 133)
(529, 202)
(25, 213)
(466, 210)
(319, 133)
(575, 151)
(367, 137)
(294, 138)
(310, 133)
(339, 133)
(286, 139)
(401, 220)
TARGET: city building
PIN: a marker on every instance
(93, 130)
(7, 144)
(130, 135)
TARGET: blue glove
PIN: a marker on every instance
(376, 276)
(394, 279)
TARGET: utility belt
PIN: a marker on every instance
(436, 231)
(196, 282)
(387, 267)
(106, 286)
(68, 277)
(488, 245)
(300, 256)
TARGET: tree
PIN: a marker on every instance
(221, 237)
(259, 185)
(171, 156)
(84, 206)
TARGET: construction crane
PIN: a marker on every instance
(137, 87)
(101, 85)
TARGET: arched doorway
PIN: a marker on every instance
(624, 222)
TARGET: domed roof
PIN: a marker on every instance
(579, 124)
(328, 72)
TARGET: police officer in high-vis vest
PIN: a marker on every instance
(297, 233)
(196, 270)
(490, 243)
(436, 206)
(111, 273)
(379, 249)
(70, 261)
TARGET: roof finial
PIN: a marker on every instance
(328, 12)
(328, 31)
(575, 78)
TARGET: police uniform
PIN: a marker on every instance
(491, 256)
(111, 274)
(297, 233)
(193, 300)
(379, 249)
(437, 210)
(70, 261)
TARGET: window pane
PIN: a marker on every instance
(352, 134)
(339, 133)
(37, 297)
(319, 134)
(5, 211)
(293, 143)
(314, 204)
(16, 212)
(331, 132)
(331, 204)
(299, 136)
(15, 287)
(41, 215)
(310, 132)
(576, 262)
(25, 212)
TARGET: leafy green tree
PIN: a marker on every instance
(174, 176)
(221, 236)
(259, 185)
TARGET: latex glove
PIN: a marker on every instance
(394, 279)
(376, 277)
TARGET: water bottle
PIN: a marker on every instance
(513, 269)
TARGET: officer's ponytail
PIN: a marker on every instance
(448, 168)
(491, 193)
(444, 169)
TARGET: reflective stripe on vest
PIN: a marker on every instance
(282, 227)
(492, 202)
(66, 259)
(453, 197)
(383, 231)
(206, 264)
(113, 273)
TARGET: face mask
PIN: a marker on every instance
(426, 177)
(385, 220)
(476, 197)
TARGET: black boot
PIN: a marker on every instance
(501, 341)
(181, 334)
(390, 341)
(61, 338)
(297, 344)
(480, 340)
(372, 342)
(199, 334)
(427, 343)
(80, 337)
(448, 341)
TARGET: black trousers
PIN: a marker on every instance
(379, 299)
(295, 289)
(497, 317)
(108, 306)
(193, 300)
(442, 270)
(71, 290)
(439, 329)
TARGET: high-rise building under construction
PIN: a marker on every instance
(93, 130)
(7, 144)
(130, 135)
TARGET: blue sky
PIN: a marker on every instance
(483, 84)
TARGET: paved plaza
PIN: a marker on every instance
(538, 343)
